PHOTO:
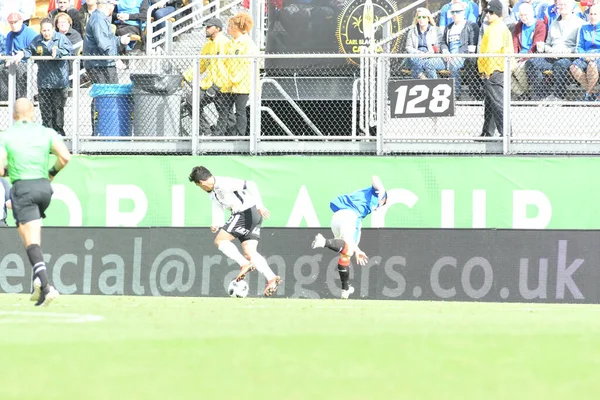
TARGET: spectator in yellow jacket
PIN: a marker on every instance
(239, 70)
(215, 81)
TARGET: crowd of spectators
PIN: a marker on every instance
(536, 26)
(116, 27)
(110, 28)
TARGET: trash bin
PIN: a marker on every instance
(114, 105)
(157, 104)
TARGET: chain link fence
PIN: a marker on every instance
(372, 104)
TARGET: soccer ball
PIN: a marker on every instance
(238, 289)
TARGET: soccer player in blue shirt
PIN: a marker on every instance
(348, 213)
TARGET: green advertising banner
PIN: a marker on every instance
(424, 192)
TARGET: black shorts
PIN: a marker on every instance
(244, 225)
(30, 199)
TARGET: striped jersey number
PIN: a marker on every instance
(420, 101)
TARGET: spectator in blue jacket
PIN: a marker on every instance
(585, 69)
(53, 75)
(19, 37)
(99, 40)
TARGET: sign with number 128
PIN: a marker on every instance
(421, 98)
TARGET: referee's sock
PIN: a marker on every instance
(337, 245)
(36, 258)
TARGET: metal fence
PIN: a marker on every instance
(373, 104)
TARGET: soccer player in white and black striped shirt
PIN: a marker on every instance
(243, 199)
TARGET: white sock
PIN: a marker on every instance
(231, 251)
(262, 266)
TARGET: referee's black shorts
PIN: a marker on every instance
(30, 198)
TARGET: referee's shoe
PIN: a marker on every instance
(41, 298)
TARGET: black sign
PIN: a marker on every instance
(421, 98)
(404, 264)
(326, 26)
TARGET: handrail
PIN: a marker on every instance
(389, 18)
(197, 11)
(294, 105)
(149, 26)
(397, 13)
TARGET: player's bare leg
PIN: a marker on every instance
(224, 242)
(273, 281)
(31, 235)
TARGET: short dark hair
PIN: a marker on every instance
(47, 21)
(199, 174)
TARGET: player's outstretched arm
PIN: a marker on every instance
(377, 184)
(381, 193)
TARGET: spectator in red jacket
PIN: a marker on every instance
(527, 33)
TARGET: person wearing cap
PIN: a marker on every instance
(459, 37)
(25, 7)
(99, 40)
(19, 37)
(496, 39)
(215, 77)
(348, 212)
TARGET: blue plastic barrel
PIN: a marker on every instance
(114, 105)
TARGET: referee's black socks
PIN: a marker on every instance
(36, 258)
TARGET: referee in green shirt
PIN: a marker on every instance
(25, 152)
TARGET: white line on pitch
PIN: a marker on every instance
(28, 316)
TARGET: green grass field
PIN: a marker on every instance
(89, 347)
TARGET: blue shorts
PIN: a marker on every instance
(583, 65)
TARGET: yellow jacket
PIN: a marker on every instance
(239, 69)
(496, 39)
(214, 69)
